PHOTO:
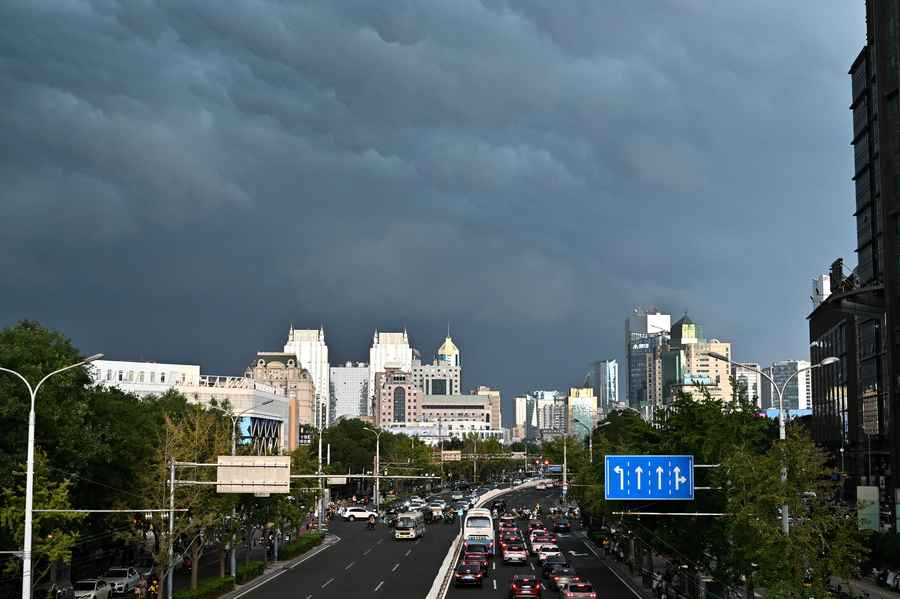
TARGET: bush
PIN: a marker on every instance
(249, 571)
(301, 545)
(207, 589)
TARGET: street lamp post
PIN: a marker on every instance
(785, 520)
(234, 421)
(377, 465)
(29, 480)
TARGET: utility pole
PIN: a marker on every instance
(321, 489)
(475, 461)
(171, 529)
(565, 467)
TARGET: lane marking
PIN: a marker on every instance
(350, 565)
(408, 551)
(494, 564)
(532, 565)
(251, 589)
(495, 584)
(616, 574)
(328, 582)
(367, 551)
(380, 541)
(394, 569)
(375, 590)
(309, 597)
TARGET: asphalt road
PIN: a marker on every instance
(365, 563)
(606, 584)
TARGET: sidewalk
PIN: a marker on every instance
(276, 569)
(866, 586)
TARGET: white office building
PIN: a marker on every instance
(265, 423)
(797, 394)
(603, 378)
(312, 354)
(749, 380)
(349, 390)
(389, 350)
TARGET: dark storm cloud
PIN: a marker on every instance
(183, 179)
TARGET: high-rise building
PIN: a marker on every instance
(493, 398)
(448, 353)
(444, 375)
(603, 378)
(798, 393)
(821, 289)
(687, 368)
(644, 330)
(349, 390)
(582, 412)
(389, 351)
(747, 377)
(398, 399)
(312, 353)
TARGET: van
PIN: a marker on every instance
(410, 525)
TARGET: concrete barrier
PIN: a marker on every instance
(445, 573)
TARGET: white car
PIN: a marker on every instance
(92, 589)
(352, 514)
(546, 550)
(121, 579)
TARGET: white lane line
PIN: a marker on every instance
(394, 569)
(495, 584)
(350, 565)
(380, 541)
(375, 590)
(616, 574)
(328, 582)
(408, 551)
(309, 597)
(494, 564)
(532, 565)
(367, 551)
(251, 589)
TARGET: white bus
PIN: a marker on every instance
(410, 525)
(478, 528)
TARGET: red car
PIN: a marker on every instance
(524, 585)
(480, 557)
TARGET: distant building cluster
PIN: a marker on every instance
(284, 395)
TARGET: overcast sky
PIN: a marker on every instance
(182, 180)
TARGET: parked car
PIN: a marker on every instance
(92, 588)
(121, 579)
(54, 590)
(352, 514)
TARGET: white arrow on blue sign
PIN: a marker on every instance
(654, 477)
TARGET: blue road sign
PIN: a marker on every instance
(653, 477)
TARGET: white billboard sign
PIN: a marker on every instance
(253, 474)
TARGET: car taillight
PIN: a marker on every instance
(593, 595)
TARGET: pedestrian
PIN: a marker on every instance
(140, 588)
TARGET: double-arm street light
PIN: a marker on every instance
(29, 481)
(590, 433)
(377, 434)
(785, 520)
(234, 421)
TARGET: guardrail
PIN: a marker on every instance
(445, 573)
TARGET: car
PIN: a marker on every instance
(515, 552)
(561, 575)
(121, 579)
(546, 550)
(476, 553)
(577, 590)
(524, 585)
(457, 496)
(92, 588)
(538, 544)
(354, 513)
(551, 562)
(466, 574)
(562, 525)
(536, 524)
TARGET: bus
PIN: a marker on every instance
(410, 525)
(478, 528)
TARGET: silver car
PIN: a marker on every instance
(122, 580)
(92, 589)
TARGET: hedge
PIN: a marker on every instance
(249, 571)
(303, 544)
(208, 589)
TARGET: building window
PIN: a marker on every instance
(141, 376)
(109, 374)
(162, 377)
(152, 376)
(399, 404)
(130, 376)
